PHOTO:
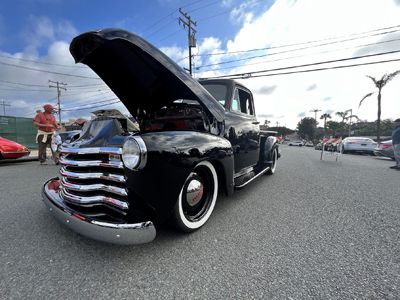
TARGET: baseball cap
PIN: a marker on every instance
(48, 107)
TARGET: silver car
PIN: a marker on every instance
(296, 143)
(359, 144)
(385, 149)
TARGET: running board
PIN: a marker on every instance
(239, 184)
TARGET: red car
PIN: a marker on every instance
(10, 149)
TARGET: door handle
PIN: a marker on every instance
(256, 122)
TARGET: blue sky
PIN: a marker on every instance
(154, 20)
(35, 36)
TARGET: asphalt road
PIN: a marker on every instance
(316, 229)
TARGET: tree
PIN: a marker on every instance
(324, 117)
(306, 128)
(379, 84)
(266, 123)
(282, 130)
(336, 128)
(342, 114)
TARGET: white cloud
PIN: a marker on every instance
(289, 22)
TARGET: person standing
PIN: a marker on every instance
(396, 144)
(46, 124)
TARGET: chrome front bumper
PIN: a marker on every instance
(124, 234)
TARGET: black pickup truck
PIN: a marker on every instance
(188, 140)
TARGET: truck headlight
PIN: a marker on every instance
(134, 153)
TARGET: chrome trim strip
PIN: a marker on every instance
(99, 175)
(252, 178)
(143, 152)
(90, 200)
(91, 163)
(94, 187)
(94, 150)
(124, 234)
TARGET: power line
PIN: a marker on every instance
(46, 71)
(310, 70)
(305, 55)
(249, 74)
(23, 90)
(214, 16)
(160, 29)
(86, 85)
(90, 103)
(95, 106)
(23, 84)
(223, 12)
(167, 16)
(204, 6)
(304, 43)
(41, 62)
(290, 50)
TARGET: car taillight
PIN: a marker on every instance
(385, 146)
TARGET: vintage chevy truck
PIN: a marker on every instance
(189, 139)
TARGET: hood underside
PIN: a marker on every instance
(138, 73)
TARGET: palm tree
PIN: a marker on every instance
(342, 114)
(379, 84)
(325, 116)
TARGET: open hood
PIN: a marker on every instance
(138, 73)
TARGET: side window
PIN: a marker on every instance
(241, 102)
(235, 101)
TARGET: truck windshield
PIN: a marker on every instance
(219, 91)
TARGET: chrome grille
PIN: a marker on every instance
(93, 177)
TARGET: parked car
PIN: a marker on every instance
(296, 143)
(194, 138)
(318, 146)
(309, 144)
(385, 149)
(359, 144)
(12, 150)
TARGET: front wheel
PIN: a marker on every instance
(197, 198)
(274, 161)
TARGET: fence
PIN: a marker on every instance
(20, 130)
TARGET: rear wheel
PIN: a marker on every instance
(274, 161)
(197, 198)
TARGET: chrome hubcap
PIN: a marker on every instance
(194, 192)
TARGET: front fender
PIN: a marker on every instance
(172, 155)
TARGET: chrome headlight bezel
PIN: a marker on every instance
(134, 153)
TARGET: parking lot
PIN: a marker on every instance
(316, 229)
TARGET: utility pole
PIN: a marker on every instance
(350, 117)
(59, 88)
(188, 23)
(315, 110)
(4, 104)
